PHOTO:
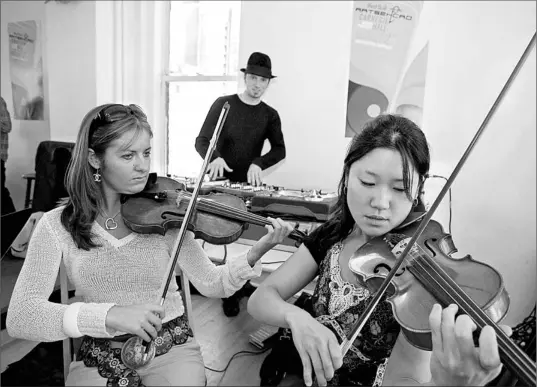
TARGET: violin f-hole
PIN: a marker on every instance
(383, 265)
(170, 215)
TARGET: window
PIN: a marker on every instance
(203, 65)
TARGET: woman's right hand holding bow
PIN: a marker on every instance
(143, 320)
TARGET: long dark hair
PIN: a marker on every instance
(98, 129)
(388, 131)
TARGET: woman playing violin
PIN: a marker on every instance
(383, 173)
(118, 274)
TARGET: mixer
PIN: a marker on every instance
(275, 201)
(243, 190)
(307, 205)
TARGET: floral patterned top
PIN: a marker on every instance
(338, 304)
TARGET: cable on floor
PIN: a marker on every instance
(250, 353)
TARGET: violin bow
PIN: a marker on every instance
(347, 343)
(188, 215)
(193, 200)
(190, 210)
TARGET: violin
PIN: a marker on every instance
(413, 267)
(218, 218)
(430, 275)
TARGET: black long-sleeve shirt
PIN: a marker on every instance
(243, 135)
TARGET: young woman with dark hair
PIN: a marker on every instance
(383, 174)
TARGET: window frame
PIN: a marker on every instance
(167, 79)
(199, 78)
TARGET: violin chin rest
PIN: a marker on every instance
(151, 180)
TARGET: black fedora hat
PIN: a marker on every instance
(259, 64)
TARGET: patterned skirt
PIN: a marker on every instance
(97, 353)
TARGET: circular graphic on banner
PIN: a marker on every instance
(373, 110)
(365, 103)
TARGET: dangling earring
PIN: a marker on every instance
(415, 203)
(97, 176)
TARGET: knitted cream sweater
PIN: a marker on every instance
(120, 272)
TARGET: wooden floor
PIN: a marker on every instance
(220, 337)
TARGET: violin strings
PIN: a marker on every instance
(444, 280)
(510, 350)
(237, 214)
(234, 213)
(449, 281)
(506, 345)
(230, 211)
(509, 347)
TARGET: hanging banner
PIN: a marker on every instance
(381, 34)
(26, 69)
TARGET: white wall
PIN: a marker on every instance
(473, 46)
(494, 195)
(309, 44)
(71, 49)
(25, 136)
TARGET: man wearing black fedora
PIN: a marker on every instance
(249, 123)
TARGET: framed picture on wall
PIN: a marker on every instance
(26, 69)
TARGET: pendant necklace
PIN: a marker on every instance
(110, 223)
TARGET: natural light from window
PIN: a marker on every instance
(204, 52)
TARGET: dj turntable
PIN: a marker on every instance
(274, 201)
(206, 187)
(243, 190)
(312, 205)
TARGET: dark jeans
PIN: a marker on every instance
(7, 202)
